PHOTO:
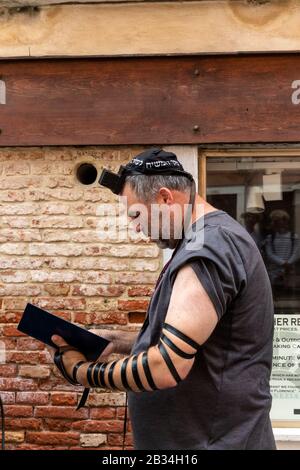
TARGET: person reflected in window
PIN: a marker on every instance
(251, 222)
(281, 248)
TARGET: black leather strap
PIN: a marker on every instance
(147, 371)
(83, 398)
(96, 374)
(75, 370)
(135, 374)
(181, 335)
(174, 348)
(123, 374)
(89, 374)
(169, 362)
(101, 374)
(58, 360)
(110, 375)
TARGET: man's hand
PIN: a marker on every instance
(70, 358)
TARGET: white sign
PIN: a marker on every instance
(285, 379)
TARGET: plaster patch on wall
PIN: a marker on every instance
(258, 14)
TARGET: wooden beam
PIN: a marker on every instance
(170, 100)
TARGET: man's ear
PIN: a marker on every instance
(165, 196)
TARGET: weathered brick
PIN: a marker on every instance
(133, 305)
(16, 222)
(98, 426)
(16, 437)
(8, 235)
(17, 384)
(18, 410)
(35, 372)
(96, 290)
(29, 344)
(8, 397)
(53, 438)
(16, 168)
(19, 290)
(13, 248)
(102, 413)
(12, 196)
(60, 412)
(34, 398)
(136, 278)
(19, 209)
(33, 357)
(23, 423)
(8, 370)
(56, 424)
(107, 399)
(101, 318)
(140, 291)
(64, 249)
(60, 304)
(59, 398)
(11, 330)
(54, 208)
(59, 222)
(14, 276)
(92, 440)
(56, 289)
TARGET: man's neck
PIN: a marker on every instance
(201, 208)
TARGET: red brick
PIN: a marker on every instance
(94, 290)
(58, 398)
(133, 305)
(17, 384)
(9, 343)
(117, 440)
(28, 344)
(53, 438)
(57, 424)
(8, 397)
(18, 410)
(60, 304)
(98, 426)
(102, 413)
(140, 291)
(35, 398)
(8, 370)
(10, 317)
(60, 412)
(23, 423)
(10, 330)
(106, 318)
(29, 357)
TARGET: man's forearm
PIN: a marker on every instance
(123, 343)
(161, 366)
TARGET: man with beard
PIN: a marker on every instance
(197, 374)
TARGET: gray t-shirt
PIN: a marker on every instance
(224, 402)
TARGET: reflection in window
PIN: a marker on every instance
(263, 194)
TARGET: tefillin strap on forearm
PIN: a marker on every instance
(97, 376)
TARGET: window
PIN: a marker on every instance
(261, 190)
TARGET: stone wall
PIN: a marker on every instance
(51, 255)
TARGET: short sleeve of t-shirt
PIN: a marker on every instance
(220, 269)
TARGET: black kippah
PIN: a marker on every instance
(156, 161)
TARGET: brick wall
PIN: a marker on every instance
(51, 255)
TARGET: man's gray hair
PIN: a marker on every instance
(146, 187)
